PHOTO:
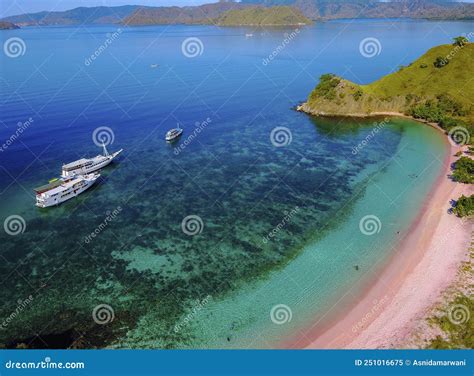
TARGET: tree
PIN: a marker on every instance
(460, 41)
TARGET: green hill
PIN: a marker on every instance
(337, 9)
(437, 87)
(202, 14)
(259, 16)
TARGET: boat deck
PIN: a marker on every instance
(59, 186)
(48, 187)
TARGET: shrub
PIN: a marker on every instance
(440, 110)
(455, 335)
(358, 94)
(326, 87)
(440, 62)
(464, 206)
(464, 170)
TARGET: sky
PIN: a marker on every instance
(11, 7)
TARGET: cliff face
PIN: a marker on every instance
(349, 102)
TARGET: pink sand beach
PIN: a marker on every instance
(423, 265)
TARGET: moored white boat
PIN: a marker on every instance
(174, 133)
(63, 189)
(88, 165)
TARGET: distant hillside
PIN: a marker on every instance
(336, 9)
(260, 16)
(203, 14)
(435, 88)
(312, 9)
(82, 15)
(7, 25)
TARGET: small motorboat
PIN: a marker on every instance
(154, 66)
(174, 133)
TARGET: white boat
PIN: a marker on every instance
(174, 133)
(88, 165)
(63, 189)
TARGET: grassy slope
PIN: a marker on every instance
(279, 15)
(390, 92)
(453, 79)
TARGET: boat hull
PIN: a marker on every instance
(106, 160)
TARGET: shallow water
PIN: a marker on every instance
(279, 225)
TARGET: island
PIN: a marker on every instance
(260, 16)
(4, 25)
(208, 13)
(434, 88)
(221, 14)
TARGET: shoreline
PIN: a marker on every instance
(302, 108)
(423, 265)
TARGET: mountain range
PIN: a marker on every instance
(208, 13)
(336, 9)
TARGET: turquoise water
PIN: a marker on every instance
(278, 225)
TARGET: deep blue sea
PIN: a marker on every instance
(254, 224)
